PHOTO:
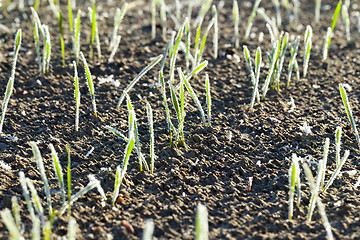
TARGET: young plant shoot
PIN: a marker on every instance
(208, 99)
(152, 139)
(201, 223)
(349, 112)
(77, 37)
(236, 17)
(118, 17)
(330, 31)
(307, 50)
(90, 83)
(216, 32)
(317, 10)
(58, 171)
(137, 78)
(62, 38)
(251, 19)
(314, 190)
(252, 74)
(10, 84)
(346, 20)
(294, 180)
(293, 61)
(77, 97)
(121, 171)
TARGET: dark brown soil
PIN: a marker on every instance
(218, 162)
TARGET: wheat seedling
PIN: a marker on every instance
(337, 170)
(58, 171)
(77, 95)
(236, 22)
(10, 84)
(193, 95)
(338, 144)
(152, 139)
(251, 19)
(203, 42)
(216, 32)
(16, 211)
(314, 191)
(208, 99)
(26, 195)
(258, 62)
(276, 4)
(10, 224)
(90, 83)
(68, 177)
(201, 223)
(40, 165)
(349, 112)
(274, 57)
(120, 172)
(137, 140)
(36, 199)
(62, 38)
(137, 78)
(279, 65)
(167, 112)
(71, 229)
(202, 12)
(77, 37)
(116, 44)
(117, 133)
(71, 27)
(346, 19)
(294, 180)
(175, 51)
(118, 17)
(251, 70)
(293, 61)
(148, 230)
(317, 10)
(36, 230)
(330, 31)
(307, 50)
(324, 162)
(94, 32)
(271, 22)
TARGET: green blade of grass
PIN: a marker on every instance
(10, 224)
(25, 192)
(338, 144)
(15, 208)
(40, 165)
(35, 197)
(152, 139)
(90, 83)
(117, 133)
(58, 171)
(337, 170)
(137, 78)
(349, 112)
(194, 96)
(10, 84)
(325, 157)
(208, 98)
(201, 223)
(68, 178)
(251, 19)
(62, 38)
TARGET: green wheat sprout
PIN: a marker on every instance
(330, 31)
(40, 165)
(208, 99)
(317, 10)
(251, 70)
(137, 78)
(10, 224)
(307, 50)
(324, 162)
(236, 17)
(77, 37)
(292, 61)
(77, 95)
(175, 51)
(338, 133)
(258, 62)
(349, 112)
(89, 82)
(94, 32)
(152, 139)
(314, 189)
(118, 17)
(278, 69)
(68, 178)
(62, 38)
(71, 229)
(136, 132)
(201, 223)
(216, 32)
(58, 171)
(10, 84)
(251, 19)
(274, 57)
(294, 180)
(121, 171)
(346, 19)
